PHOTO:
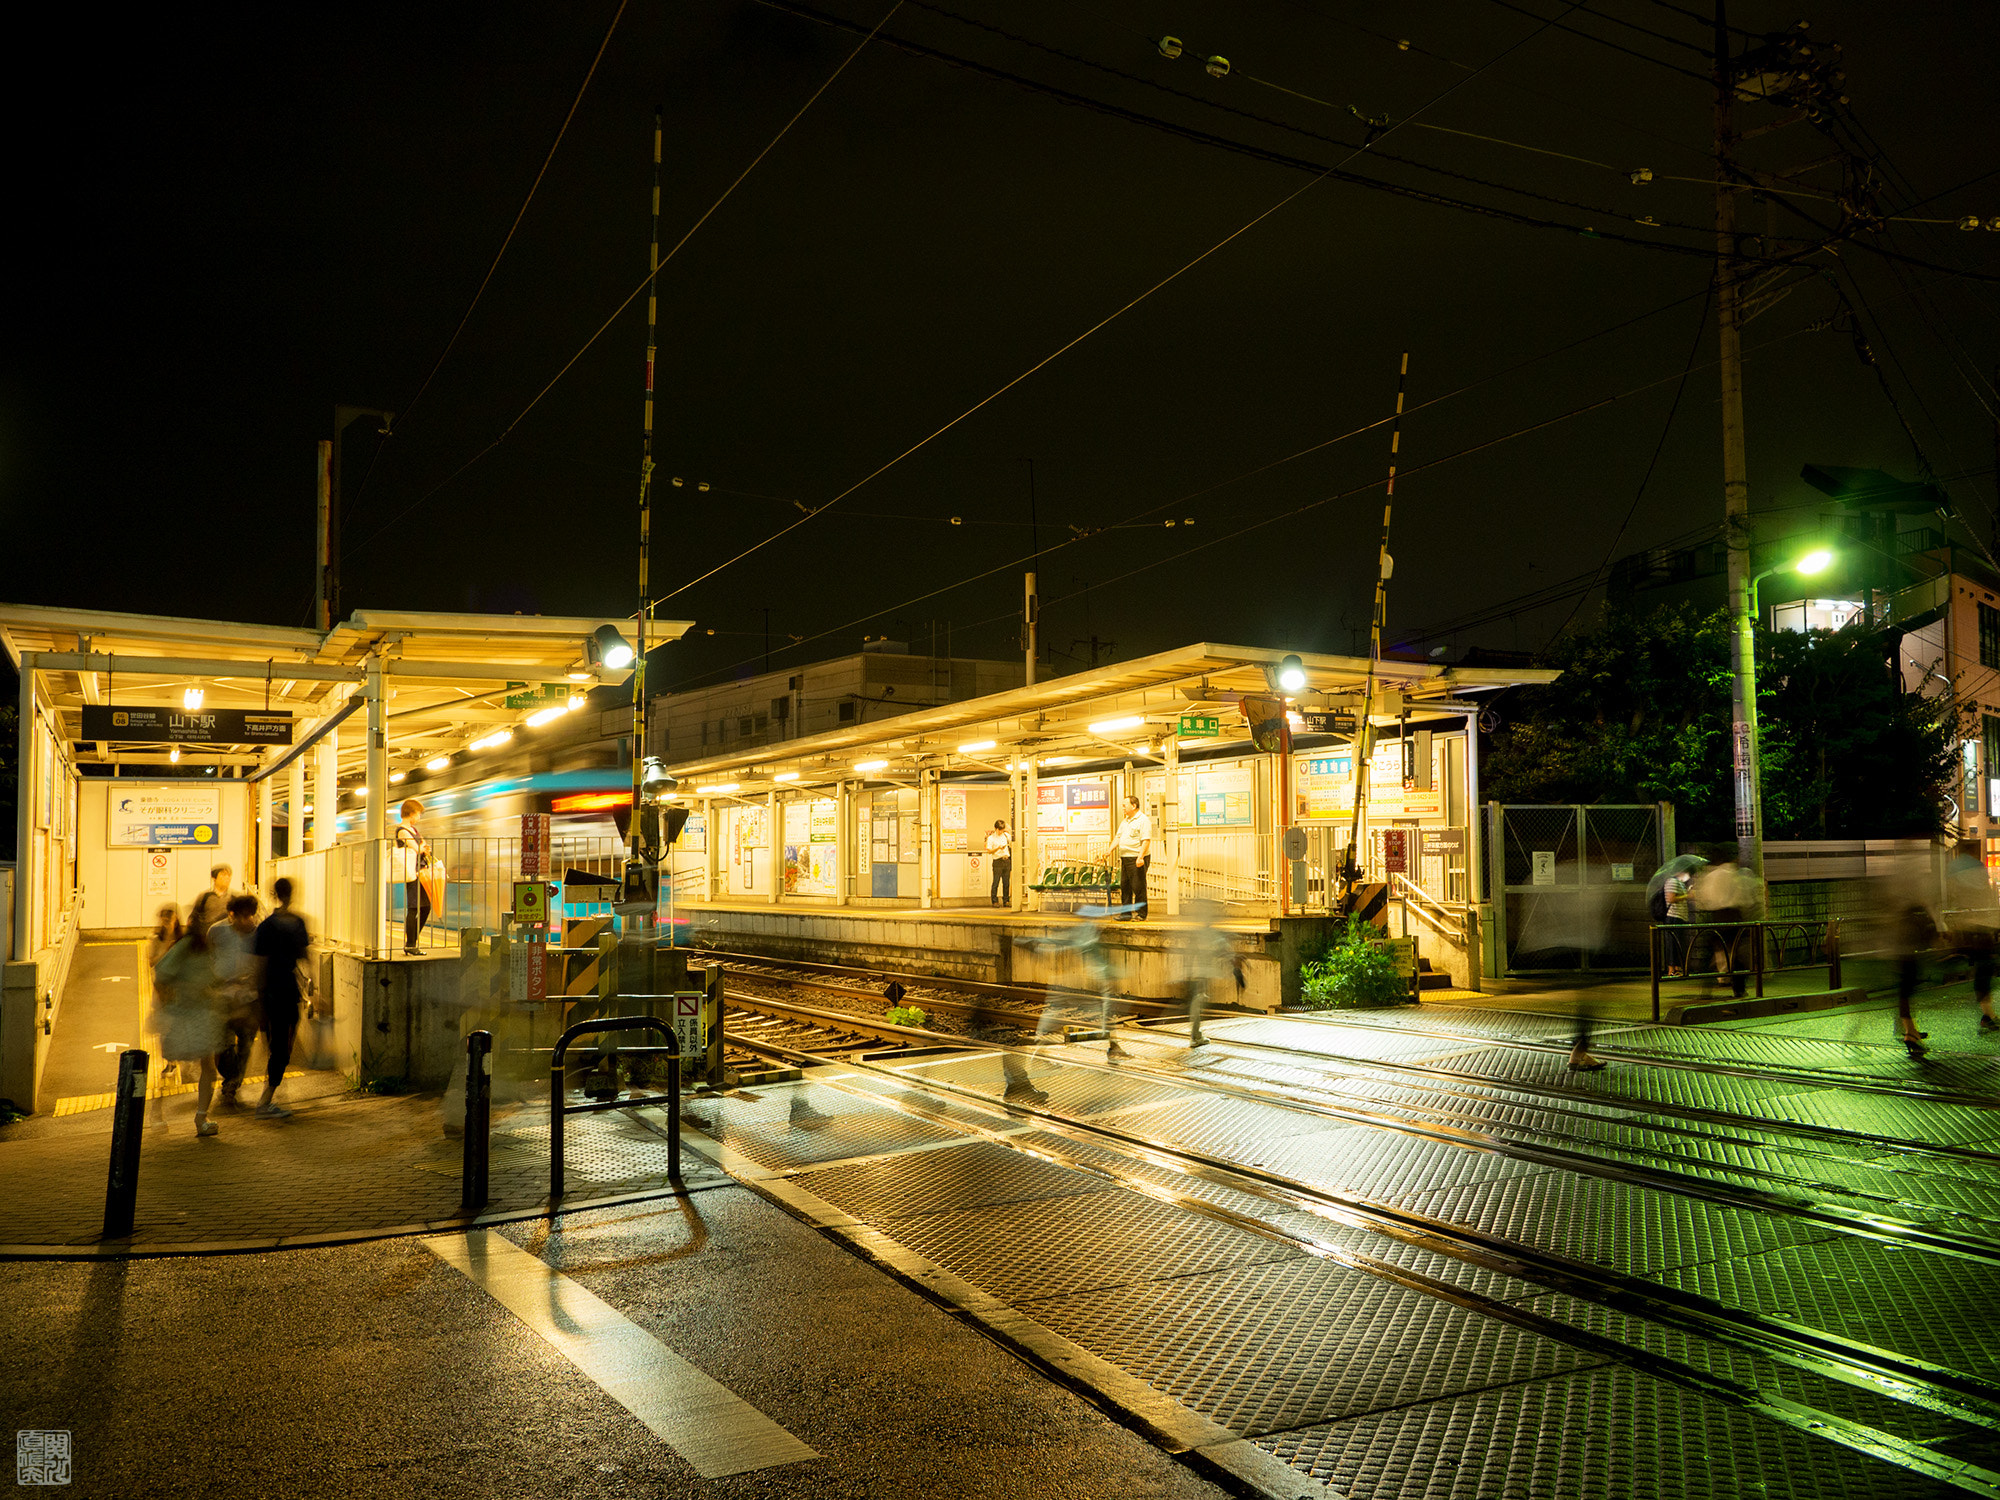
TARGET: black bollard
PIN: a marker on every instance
(128, 1124)
(478, 1119)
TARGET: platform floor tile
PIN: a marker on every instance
(1603, 1433)
(1265, 1347)
(1611, 1224)
(976, 1174)
(795, 1125)
(1382, 1164)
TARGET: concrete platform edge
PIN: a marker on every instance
(343, 1237)
(1222, 1455)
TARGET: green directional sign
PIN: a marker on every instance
(1199, 727)
(536, 697)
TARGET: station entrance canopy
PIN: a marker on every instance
(141, 692)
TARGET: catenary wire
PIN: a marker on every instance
(1049, 359)
(650, 279)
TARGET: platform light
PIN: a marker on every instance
(786, 776)
(1816, 561)
(976, 746)
(719, 789)
(359, 791)
(1059, 760)
(577, 700)
(1112, 726)
(487, 742)
(191, 699)
(547, 715)
(397, 778)
(865, 766)
(174, 755)
(307, 809)
(437, 763)
(1291, 674)
(611, 648)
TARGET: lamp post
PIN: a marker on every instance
(1749, 766)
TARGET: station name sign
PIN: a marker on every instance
(176, 726)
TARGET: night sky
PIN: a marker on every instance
(227, 220)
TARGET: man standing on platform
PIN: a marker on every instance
(282, 940)
(1134, 843)
(1000, 850)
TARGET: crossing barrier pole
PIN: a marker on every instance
(128, 1124)
(478, 1120)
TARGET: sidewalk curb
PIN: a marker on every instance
(114, 1251)
(1218, 1453)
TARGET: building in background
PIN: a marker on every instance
(881, 680)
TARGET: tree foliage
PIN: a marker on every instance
(1641, 713)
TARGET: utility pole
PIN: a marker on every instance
(1031, 606)
(328, 592)
(636, 831)
(1364, 738)
(323, 535)
(1735, 471)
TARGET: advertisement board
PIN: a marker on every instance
(1222, 799)
(159, 817)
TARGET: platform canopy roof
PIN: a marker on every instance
(446, 675)
(1052, 721)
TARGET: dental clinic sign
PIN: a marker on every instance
(159, 817)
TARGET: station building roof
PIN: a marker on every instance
(447, 673)
(1052, 721)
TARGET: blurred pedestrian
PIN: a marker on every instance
(1727, 896)
(1580, 1059)
(219, 877)
(1212, 965)
(1081, 945)
(410, 854)
(282, 941)
(188, 1012)
(1134, 843)
(1000, 850)
(1975, 928)
(167, 930)
(234, 939)
(1667, 904)
(1915, 932)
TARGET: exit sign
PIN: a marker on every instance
(1199, 727)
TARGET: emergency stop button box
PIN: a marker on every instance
(532, 898)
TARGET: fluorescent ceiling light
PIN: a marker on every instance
(786, 776)
(720, 788)
(191, 699)
(397, 777)
(174, 755)
(499, 737)
(577, 700)
(547, 715)
(869, 765)
(976, 746)
(437, 763)
(1112, 726)
(1058, 760)
(360, 791)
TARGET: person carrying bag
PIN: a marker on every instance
(412, 867)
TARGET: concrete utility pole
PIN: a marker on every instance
(1735, 473)
(1031, 605)
(329, 508)
(635, 830)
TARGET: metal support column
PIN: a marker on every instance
(927, 805)
(325, 799)
(1030, 868)
(1496, 888)
(774, 830)
(295, 805)
(376, 780)
(1170, 823)
(265, 804)
(26, 795)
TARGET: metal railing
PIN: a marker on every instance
(1230, 866)
(1798, 945)
(560, 1109)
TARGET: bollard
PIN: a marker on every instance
(478, 1120)
(1833, 954)
(128, 1124)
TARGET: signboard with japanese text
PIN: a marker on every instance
(687, 1025)
(1199, 727)
(1222, 799)
(535, 844)
(156, 817)
(178, 726)
(1087, 807)
(1051, 815)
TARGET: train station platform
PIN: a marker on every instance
(1002, 946)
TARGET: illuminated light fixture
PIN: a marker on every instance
(437, 763)
(307, 808)
(499, 737)
(1058, 760)
(580, 674)
(1294, 718)
(1112, 726)
(1816, 561)
(359, 791)
(590, 801)
(865, 766)
(719, 789)
(548, 715)
(577, 700)
(611, 648)
(786, 776)
(174, 755)
(396, 778)
(976, 746)
(191, 699)
(1291, 674)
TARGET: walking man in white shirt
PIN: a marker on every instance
(1000, 850)
(1134, 843)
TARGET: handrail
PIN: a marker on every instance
(558, 1109)
(1449, 922)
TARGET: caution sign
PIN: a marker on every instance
(531, 900)
(687, 1025)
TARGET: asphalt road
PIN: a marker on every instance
(377, 1369)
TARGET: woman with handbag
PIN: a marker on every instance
(188, 1013)
(410, 859)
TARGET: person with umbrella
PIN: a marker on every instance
(1667, 902)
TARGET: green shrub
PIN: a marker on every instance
(1352, 974)
(905, 1015)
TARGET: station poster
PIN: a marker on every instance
(1222, 798)
(160, 817)
(1051, 814)
(1087, 808)
(825, 822)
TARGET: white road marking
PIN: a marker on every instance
(702, 1420)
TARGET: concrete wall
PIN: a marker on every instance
(30, 999)
(119, 886)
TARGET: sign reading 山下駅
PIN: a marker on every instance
(179, 726)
